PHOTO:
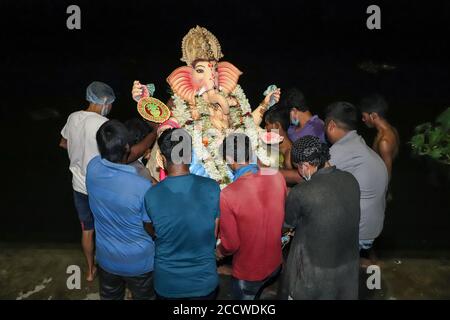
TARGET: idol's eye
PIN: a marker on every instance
(199, 70)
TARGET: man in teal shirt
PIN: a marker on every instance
(184, 210)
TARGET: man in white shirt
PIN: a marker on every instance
(79, 138)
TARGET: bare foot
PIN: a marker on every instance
(91, 275)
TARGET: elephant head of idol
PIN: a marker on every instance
(204, 74)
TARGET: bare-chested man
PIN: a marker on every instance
(387, 141)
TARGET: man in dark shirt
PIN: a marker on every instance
(323, 261)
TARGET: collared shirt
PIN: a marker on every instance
(251, 221)
(351, 154)
(314, 127)
(116, 198)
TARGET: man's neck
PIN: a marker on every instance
(238, 166)
(176, 170)
(92, 108)
(381, 124)
(342, 134)
(305, 117)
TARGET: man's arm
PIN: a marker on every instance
(140, 148)
(216, 229)
(148, 226)
(63, 143)
(292, 209)
(229, 236)
(386, 150)
(291, 176)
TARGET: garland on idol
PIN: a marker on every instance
(207, 140)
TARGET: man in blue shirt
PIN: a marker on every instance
(125, 250)
(184, 209)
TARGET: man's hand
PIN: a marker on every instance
(219, 255)
(63, 143)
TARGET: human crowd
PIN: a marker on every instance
(164, 238)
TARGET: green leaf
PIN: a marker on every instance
(418, 141)
(435, 136)
(444, 119)
(422, 127)
(435, 153)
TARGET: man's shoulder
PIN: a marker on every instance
(344, 175)
(94, 119)
(205, 180)
(94, 163)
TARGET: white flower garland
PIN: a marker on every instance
(206, 140)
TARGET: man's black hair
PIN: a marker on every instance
(277, 114)
(113, 141)
(374, 103)
(309, 149)
(169, 139)
(344, 114)
(238, 147)
(138, 130)
(294, 98)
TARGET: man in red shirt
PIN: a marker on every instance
(251, 220)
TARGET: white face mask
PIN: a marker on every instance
(105, 110)
(307, 177)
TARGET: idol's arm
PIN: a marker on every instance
(258, 113)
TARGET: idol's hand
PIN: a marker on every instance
(276, 94)
(137, 90)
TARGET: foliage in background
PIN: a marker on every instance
(433, 140)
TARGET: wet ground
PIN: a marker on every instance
(39, 273)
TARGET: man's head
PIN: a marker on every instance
(113, 141)
(101, 97)
(138, 130)
(176, 147)
(276, 119)
(340, 118)
(310, 155)
(236, 150)
(294, 101)
(373, 107)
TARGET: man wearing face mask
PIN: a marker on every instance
(78, 137)
(324, 210)
(303, 122)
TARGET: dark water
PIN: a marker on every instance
(316, 47)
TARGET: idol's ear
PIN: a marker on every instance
(228, 76)
(180, 81)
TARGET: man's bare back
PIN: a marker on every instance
(386, 144)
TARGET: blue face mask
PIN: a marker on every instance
(295, 122)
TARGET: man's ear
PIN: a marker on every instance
(278, 125)
(373, 116)
(331, 124)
